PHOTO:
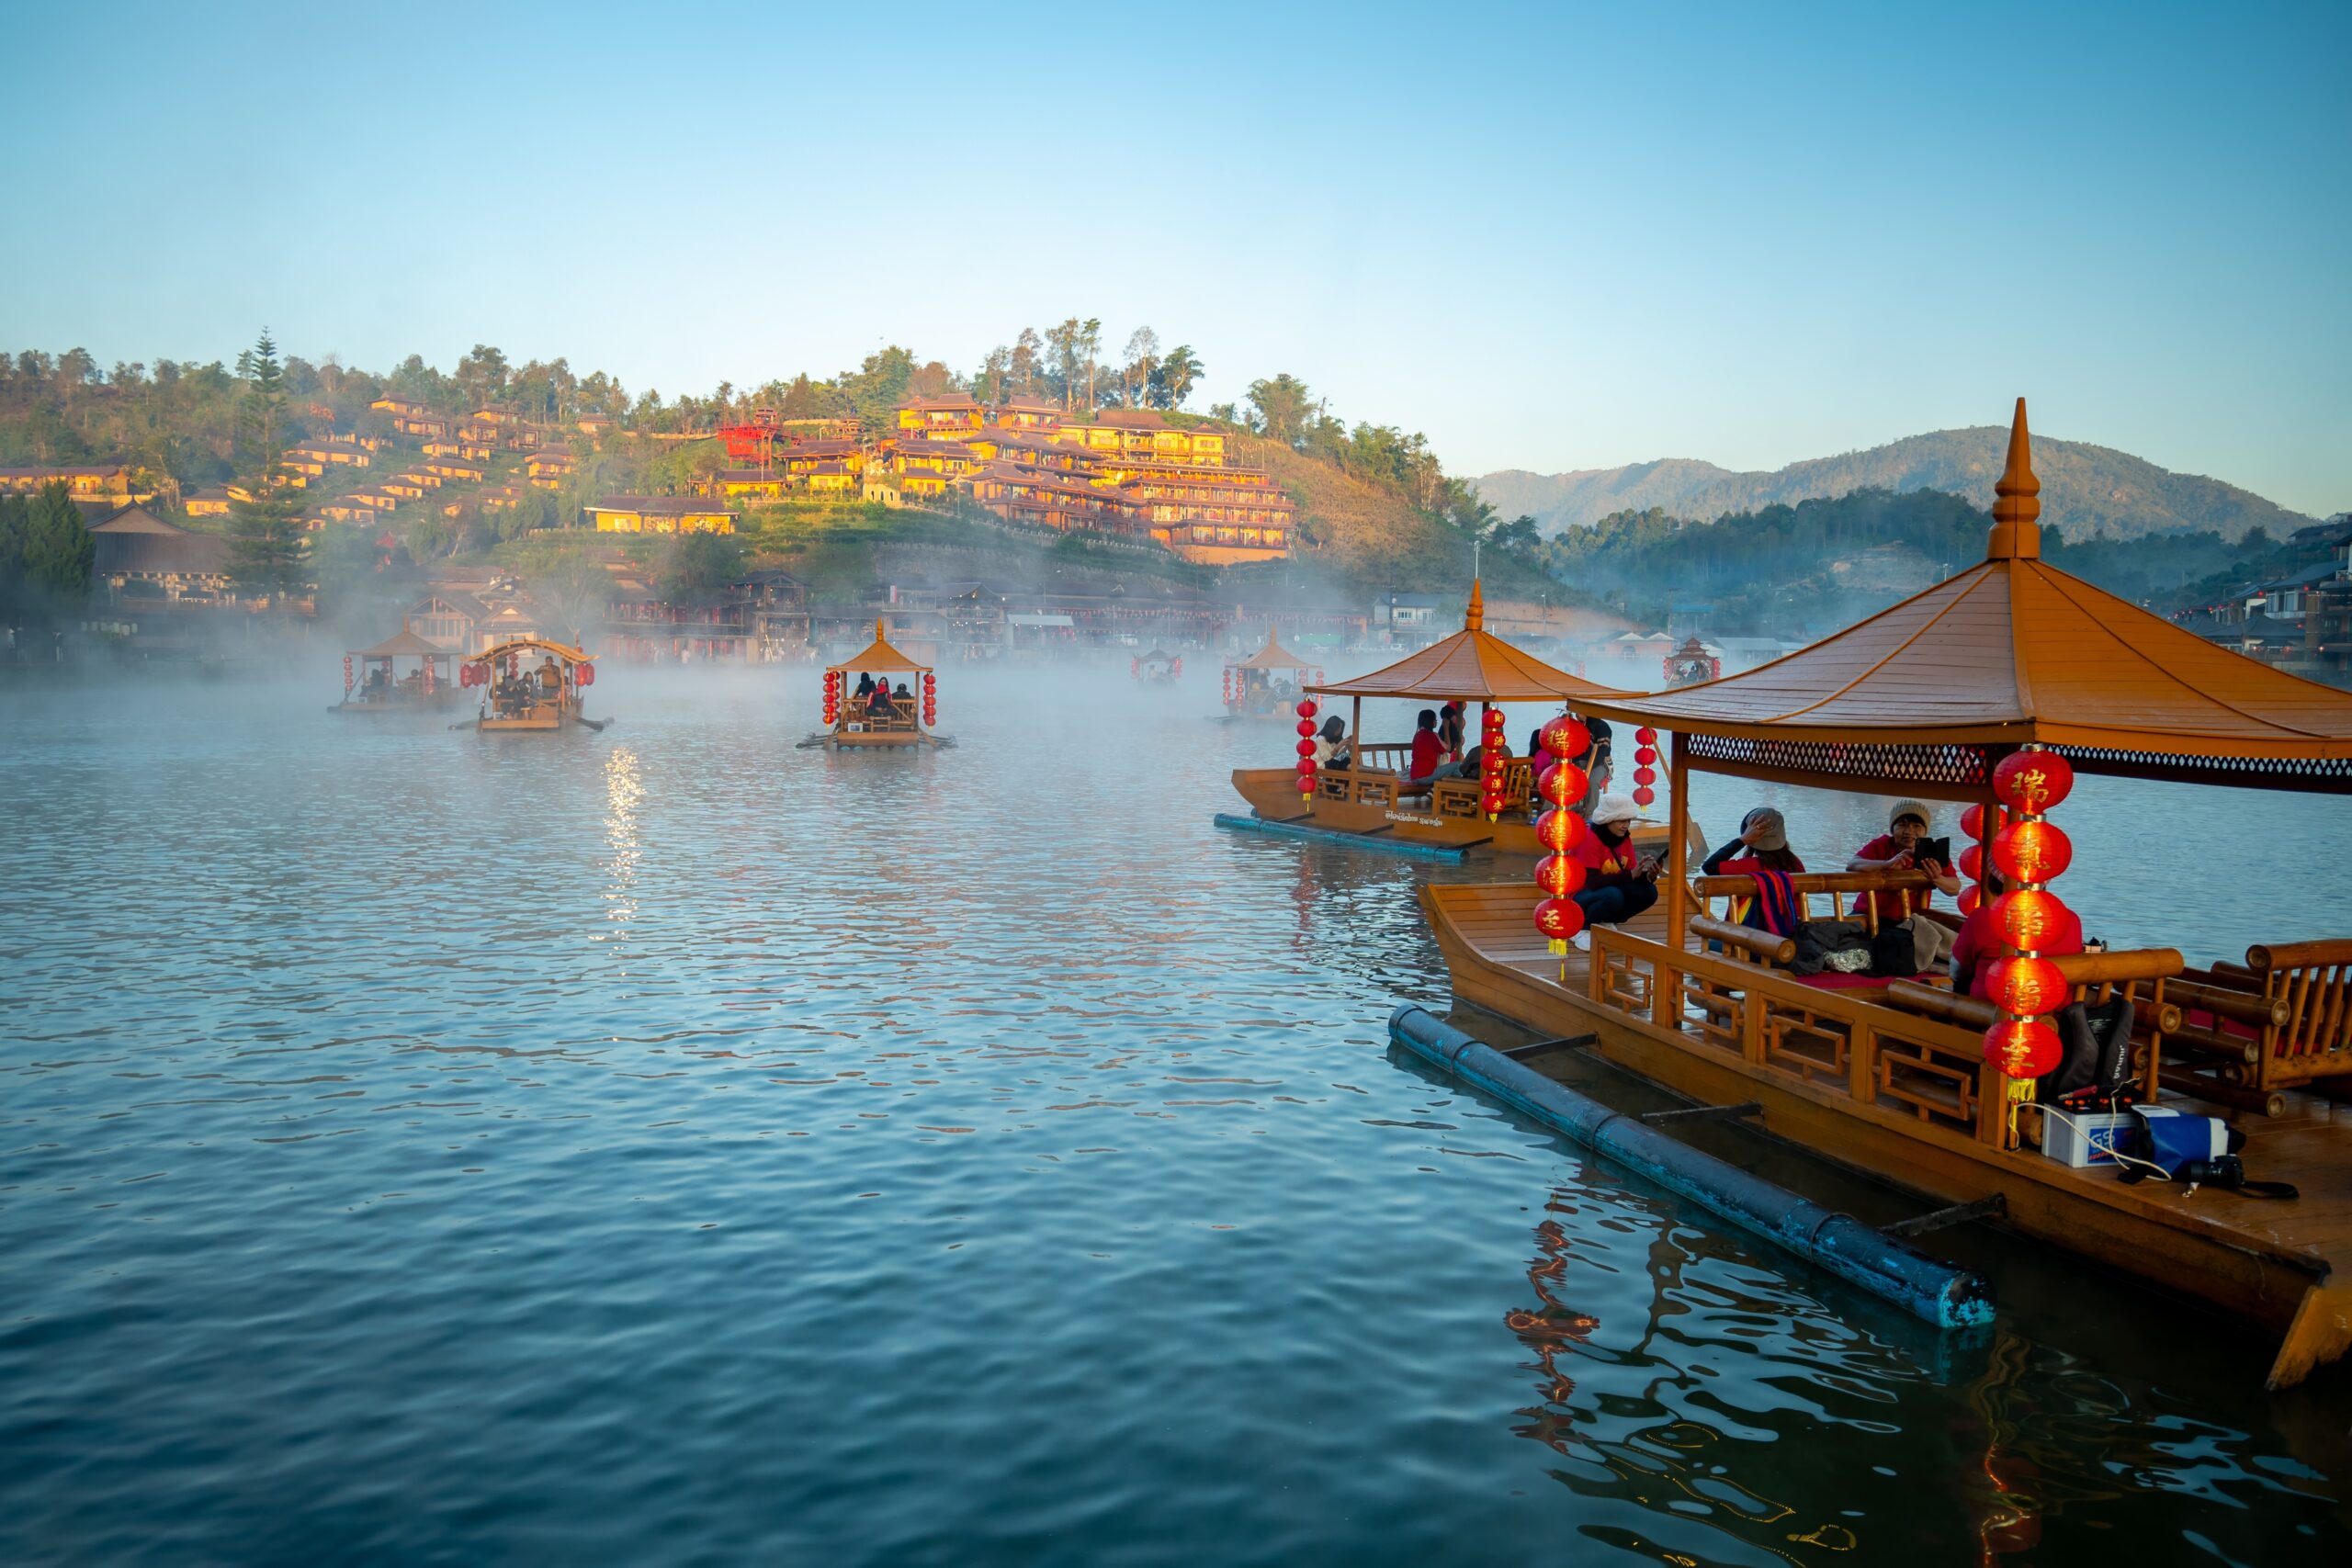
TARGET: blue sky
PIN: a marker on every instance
(1552, 237)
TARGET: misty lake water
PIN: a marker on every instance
(670, 1146)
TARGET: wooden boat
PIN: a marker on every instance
(382, 689)
(522, 697)
(1373, 797)
(1890, 1077)
(1267, 684)
(856, 723)
(1157, 668)
(1691, 663)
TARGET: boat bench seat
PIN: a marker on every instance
(2282, 1019)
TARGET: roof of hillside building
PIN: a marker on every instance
(2013, 650)
(135, 542)
(660, 505)
(950, 400)
(1472, 665)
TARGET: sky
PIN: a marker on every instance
(1551, 237)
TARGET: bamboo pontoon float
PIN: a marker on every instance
(2012, 658)
(1374, 797)
(1267, 684)
(883, 720)
(522, 698)
(382, 689)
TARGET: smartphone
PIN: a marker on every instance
(1936, 850)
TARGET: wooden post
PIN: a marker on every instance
(1666, 998)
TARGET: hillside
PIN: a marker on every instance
(2091, 492)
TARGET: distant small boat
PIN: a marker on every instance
(520, 697)
(1156, 669)
(381, 688)
(1268, 684)
(873, 716)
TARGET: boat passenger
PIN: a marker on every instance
(1428, 750)
(1451, 729)
(902, 695)
(550, 675)
(1978, 944)
(1328, 751)
(1893, 849)
(1619, 883)
(1762, 845)
(865, 685)
(879, 704)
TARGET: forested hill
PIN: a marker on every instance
(2092, 491)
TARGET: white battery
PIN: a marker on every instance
(2085, 1138)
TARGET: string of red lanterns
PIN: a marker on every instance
(1307, 712)
(930, 700)
(346, 674)
(833, 697)
(1491, 762)
(2027, 851)
(1561, 785)
(1645, 765)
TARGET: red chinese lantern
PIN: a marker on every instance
(1306, 747)
(1646, 775)
(1306, 766)
(1306, 709)
(1305, 725)
(1645, 755)
(1566, 738)
(1971, 863)
(1970, 897)
(1559, 919)
(2033, 781)
(2032, 851)
(1559, 875)
(2027, 987)
(346, 671)
(1644, 795)
(1560, 831)
(1972, 822)
(2027, 916)
(1562, 785)
(1646, 736)
(2023, 1047)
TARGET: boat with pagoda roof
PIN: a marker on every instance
(530, 686)
(373, 682)
(1158, 667)
(1365, 789)
(873, 715)
(1991, 690)
(1267, 684)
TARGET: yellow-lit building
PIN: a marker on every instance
(833, 481)
(1028, 413)
(660, 514)
(83, 481)
(210, 503)
(1143, 434)
(553, 463)
(750, 484)
(949, 415)
(455, 468)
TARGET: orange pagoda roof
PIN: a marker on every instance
(403, 644)
(1472, 665)
(1273, 656)
(2014, 651)
(879, 655)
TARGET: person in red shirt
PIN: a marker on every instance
(1891, 850)
(1428, 750)
(1618, 882)
(1978, 944)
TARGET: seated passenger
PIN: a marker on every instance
(902, 695)
(1762, 845)
(1328, 751)
(1428, 750)
(1906, 824)
(865, 685)
(879, 704)
(1451, 728)
(551, 676)
(1978, 944)
(1617, 883)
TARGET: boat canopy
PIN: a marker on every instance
(1156, 656)
(878, 655)
(531, 645)
(404, 644)
(1472, 665)
(2013, 652)
(1273, 656)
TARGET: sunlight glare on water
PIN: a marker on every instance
(670, 1144)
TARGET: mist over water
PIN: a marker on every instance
(669, 1144)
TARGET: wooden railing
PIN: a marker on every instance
(2282, 1019)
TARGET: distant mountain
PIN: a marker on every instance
(2091, 492)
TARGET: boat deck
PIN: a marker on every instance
(1837, 1073)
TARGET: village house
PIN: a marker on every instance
(211, 501)
(454, 467)
(344, 509)
(748, 484)
(594, 425)
(660, 514)
(448, 616)
(1028, 413)
(109, 482)
(553, 463)
(403, 486)
(836, 481)
(140, 555)
(808, 456)
(881, 488)
(1144, 433)
(953, 413)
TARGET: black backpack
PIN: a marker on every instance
(2094, 1072)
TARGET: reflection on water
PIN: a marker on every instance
(669, 1144)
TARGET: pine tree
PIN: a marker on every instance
(261, 411)
(13, 588)
(58, 548)
(268, 547)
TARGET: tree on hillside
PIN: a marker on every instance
(1172, 380)
(268, 549)
(57, 549)
(1028, 361)
(13, 588)
(1143, 363)
(1063, 353)
(1280, 408)
(261, 411)
(482, 374)
(1090, 343)
(698, 566)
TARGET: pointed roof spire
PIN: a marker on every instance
(879, 634)
(1475, 619)
(2017, 503)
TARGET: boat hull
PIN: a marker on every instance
(2260, 1261)
(1273, 795)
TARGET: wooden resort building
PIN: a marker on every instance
(111, 483)
(1890, 1075)
(660, 514)
(140, 555)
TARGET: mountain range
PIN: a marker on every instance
(2091, 492)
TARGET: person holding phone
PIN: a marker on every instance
(1897, 848)
(1618, 883)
